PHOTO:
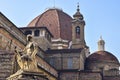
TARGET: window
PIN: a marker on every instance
(47, 36)
(28, 32)
(70, 63)
(36, 33)
(78, 30)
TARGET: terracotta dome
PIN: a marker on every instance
(102, 56)
(57, 22)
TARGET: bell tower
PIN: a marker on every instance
(78, 23)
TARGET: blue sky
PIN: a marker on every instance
(102, 17)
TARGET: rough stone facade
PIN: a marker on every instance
(112, 78)
(57, 58)
(8, 42)
(66, 59)
(10, 35)
(6, 64)
(90, 76)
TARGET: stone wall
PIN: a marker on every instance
(69, 76)
(79, 75)
(46, 68)
(12, 29)
(6, 68)
(42, 42)
(112, 78)
(90, 76)
(8, 42)
(64, 59)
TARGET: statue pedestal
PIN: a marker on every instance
(27, 75)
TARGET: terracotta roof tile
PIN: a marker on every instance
(103, 56)
(58, 22)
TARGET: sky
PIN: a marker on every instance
(102, 18)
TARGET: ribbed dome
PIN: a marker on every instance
(58, 22)
(102, 56)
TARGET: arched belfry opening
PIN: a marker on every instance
(77, 30)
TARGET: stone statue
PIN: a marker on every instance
(26, 58)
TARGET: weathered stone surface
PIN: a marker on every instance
(27, 75)
(90, 76)
(6, 59)
(112, 78)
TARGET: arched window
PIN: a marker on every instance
(36, 33)
(77, 30)
(28, 32)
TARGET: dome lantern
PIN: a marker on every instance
(101, 44)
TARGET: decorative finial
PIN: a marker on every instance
(101, 38)
(78, 7)
(101, 44)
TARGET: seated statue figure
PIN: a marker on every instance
(26, 58)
